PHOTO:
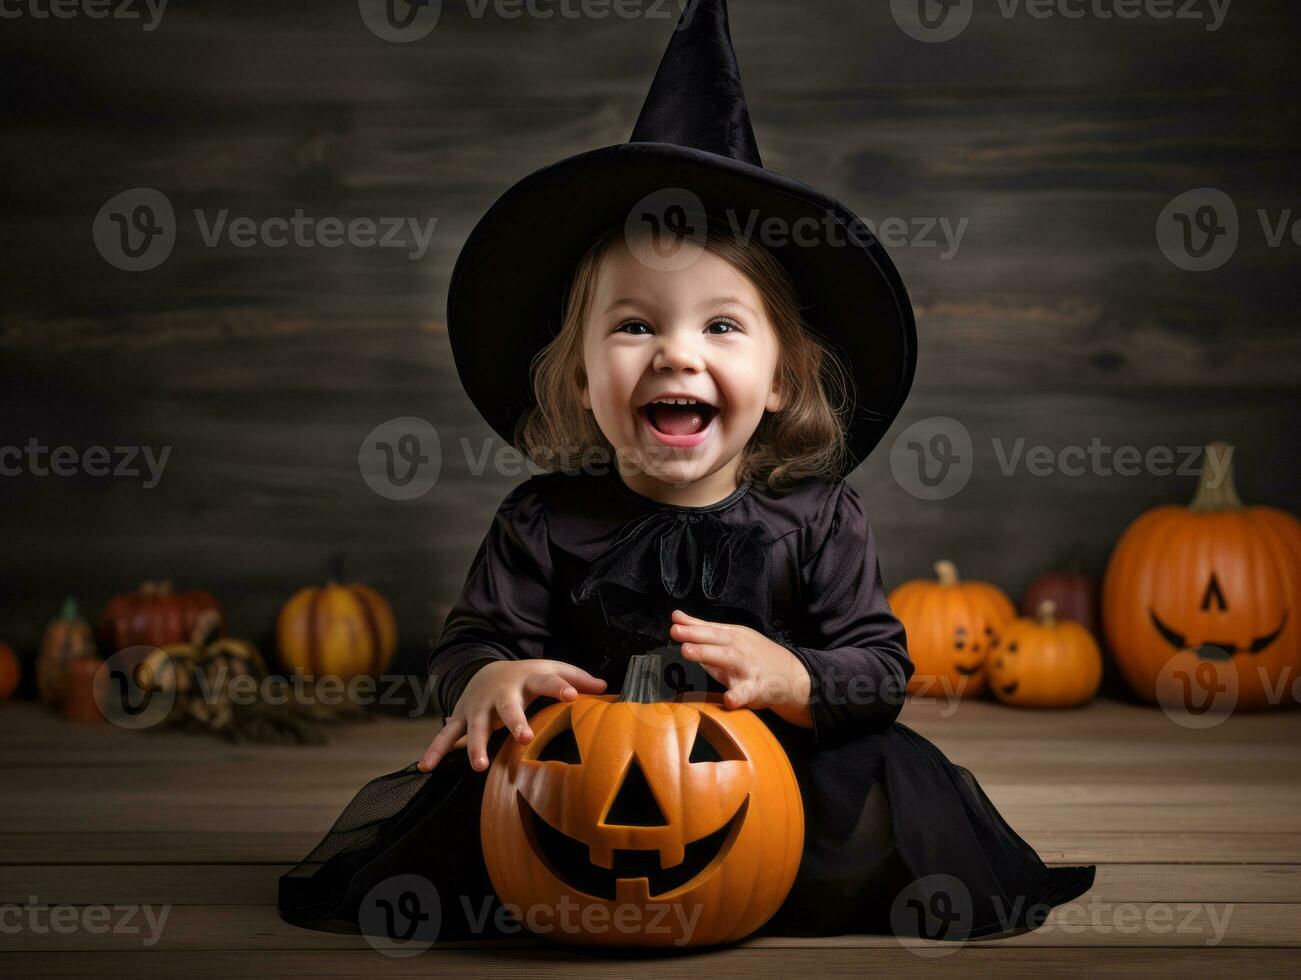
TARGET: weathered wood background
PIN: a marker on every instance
(1058, 320)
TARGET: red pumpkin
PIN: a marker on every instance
(153, 616)
(67, 638)
(1208, 596)
(654, 823)
(11, 671)
(1074, 595)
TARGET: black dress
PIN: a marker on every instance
(583, 569)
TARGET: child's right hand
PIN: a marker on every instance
(497, 695)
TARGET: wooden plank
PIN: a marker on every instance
(1083, 923)
(252, 884)
(535, 960)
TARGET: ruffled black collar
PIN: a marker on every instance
(674, 556)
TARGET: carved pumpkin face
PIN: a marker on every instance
(1045, 662)
(951, 627)
(1216, 583)
(684, 818)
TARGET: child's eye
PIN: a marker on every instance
(624, 327)
(732, 325)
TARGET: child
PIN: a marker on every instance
(698, 402)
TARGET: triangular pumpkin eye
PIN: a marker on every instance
(561, 747)
(712, 744)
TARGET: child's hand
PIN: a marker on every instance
(497, 695)
(757, 672)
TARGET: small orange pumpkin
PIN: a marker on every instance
(680, 819)
(11, 671)
(1208, 589)
(67, 638)
(950, 626)
(337, 630)
(1045, 662)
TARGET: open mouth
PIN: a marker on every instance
(678, 421)
(569, 859)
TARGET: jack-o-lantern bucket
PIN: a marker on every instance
(1200, 602)
(631, 821)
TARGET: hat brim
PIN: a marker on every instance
(508, 289)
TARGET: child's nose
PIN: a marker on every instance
(677, 353)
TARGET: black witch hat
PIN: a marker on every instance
(692, 155)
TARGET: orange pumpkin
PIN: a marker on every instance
(1207, 592)
(950, 627)
(152, 616)
(67, 638)
(1045, 662)
(10, 672)
(653, 823)
(337, 630)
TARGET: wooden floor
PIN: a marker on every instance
(1197, 835)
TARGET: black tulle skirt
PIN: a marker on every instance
(898, 840)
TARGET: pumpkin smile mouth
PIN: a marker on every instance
(969, 671)
(1011, 688)
(569, 859)
(1214, 649)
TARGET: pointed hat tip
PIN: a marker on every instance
(697, 99)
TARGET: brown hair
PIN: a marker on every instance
(806, 437)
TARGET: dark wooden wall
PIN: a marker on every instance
(1058, 320)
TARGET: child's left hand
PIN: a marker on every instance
(757, 672)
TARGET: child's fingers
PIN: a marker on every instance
(683, 617)
(699, 633)
(581, 679)
(551, 685)
(711, 655)
(442, 743)
(737, 696)
(511, 713)
(478, 730)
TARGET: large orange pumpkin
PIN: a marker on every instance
(67, 638)
(630, 821)
(153, 615)
(1208, 595)
(950, 626)
(1045, 662)
(337, 630)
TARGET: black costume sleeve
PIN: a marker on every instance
(851, 643)
(502, 612)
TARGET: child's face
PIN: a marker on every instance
(700, 331)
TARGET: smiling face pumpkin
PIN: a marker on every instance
(1207, 594)
(683, 818)
(951, 627)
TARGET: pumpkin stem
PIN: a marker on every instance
(334, 568)
(641, 682)
(946, 572)
(69, 611)
(1215, 490)
(1047, 613)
